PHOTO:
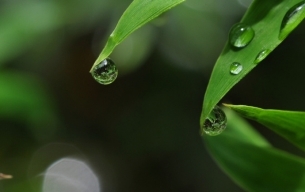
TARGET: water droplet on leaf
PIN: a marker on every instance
(215, 123)
(241, 35)
(261, 56)
(235, 68)
(105, 72)
(292, 18)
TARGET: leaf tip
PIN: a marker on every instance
(227, 105)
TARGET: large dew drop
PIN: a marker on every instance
(235, 68)
(261, 56)
(215, 123)
(292, 18)
(241, 35)
(105, 72)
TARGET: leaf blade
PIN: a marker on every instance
(245, 160)
(288, 124)
(136, 15)
(265, 17)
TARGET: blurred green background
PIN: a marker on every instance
(140, 133)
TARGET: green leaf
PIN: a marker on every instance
(265, 18)
(29, 25)
(23, 99)
(252, 163)
(288, 124)
(137, 14)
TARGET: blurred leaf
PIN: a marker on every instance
(200, 49)
(133, 50)
(265, 18)
(137, 14)
(23, 24)
(252, 163)
(288, 124)
(24, 99)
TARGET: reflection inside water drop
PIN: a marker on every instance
(292, 18)
(215, 123)
(235, 68)
(261, 56)
(241, 35)
(105, 72)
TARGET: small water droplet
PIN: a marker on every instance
(235, 68)
(292, 18)
(105, 72)
(215, 123)
(241, 35)
(261, 56)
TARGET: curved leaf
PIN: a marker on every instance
(288, 124)
(265, 18)
(137, 14)
(252, 163)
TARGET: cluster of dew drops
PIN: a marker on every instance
(239, 37)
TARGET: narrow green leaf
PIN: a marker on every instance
(243, 132)
(288, 124)
(265, 18)
(252, 163)
(137, 14)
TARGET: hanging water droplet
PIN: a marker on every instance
(215, 123)
(235, 68)
(105, 72)
(261, 56)
(292, 18)
(241, 35)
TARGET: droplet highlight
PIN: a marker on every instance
(261, 56)
(241, 35)
(216, 122)
(235, 68)
(292, 19)
(105, 72)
